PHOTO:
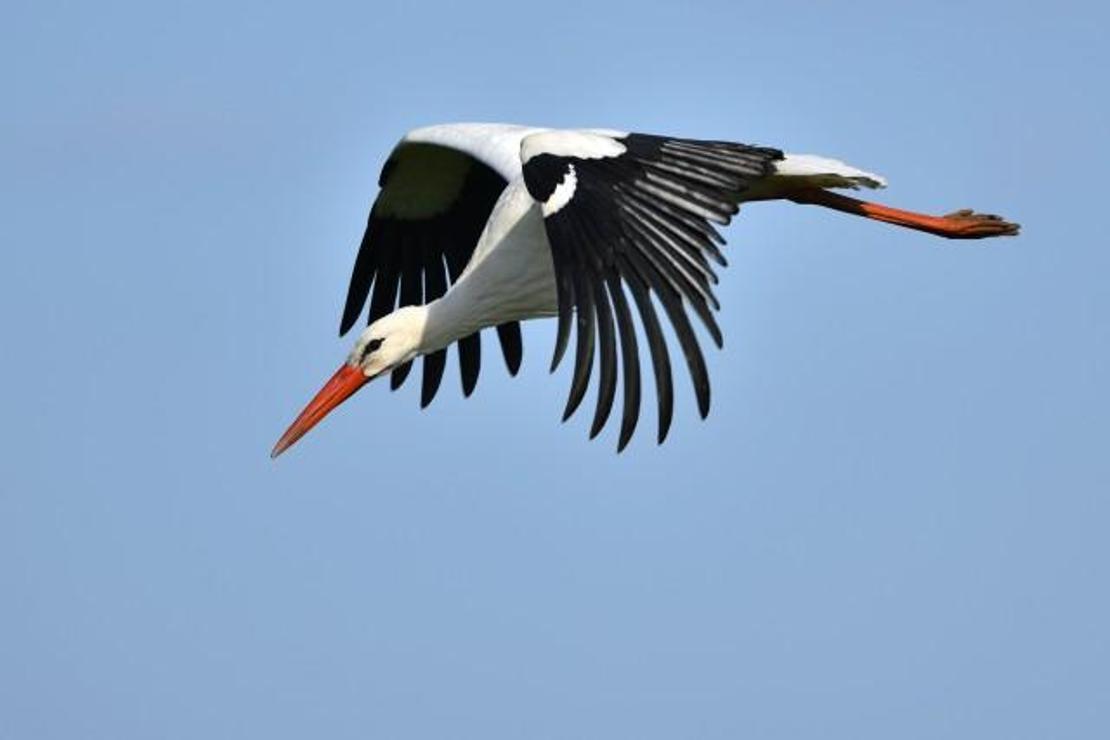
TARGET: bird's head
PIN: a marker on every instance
(388, 342)
(382, 346)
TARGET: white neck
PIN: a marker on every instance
(509, 278)
(446, 320)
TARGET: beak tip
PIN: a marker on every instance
(278, 448)
(346, 381)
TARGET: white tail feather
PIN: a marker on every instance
(823, 172)
(803, 171)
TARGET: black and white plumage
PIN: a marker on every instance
(420, 235)
(637, 217)
(614, 233)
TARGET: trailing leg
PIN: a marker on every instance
(964, 224)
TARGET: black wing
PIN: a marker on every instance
(635, 213)
(422, 230)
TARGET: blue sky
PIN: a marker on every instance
(893, 523)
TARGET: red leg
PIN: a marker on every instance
(965, 224)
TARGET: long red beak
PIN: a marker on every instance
(345, 382)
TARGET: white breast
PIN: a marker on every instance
(510, 277)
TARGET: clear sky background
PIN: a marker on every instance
(893, 523)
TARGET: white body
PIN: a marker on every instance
(509, 278)
(510, 275)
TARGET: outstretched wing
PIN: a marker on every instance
(423, 227)
(636, 212)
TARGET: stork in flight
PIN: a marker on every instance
(486, 225)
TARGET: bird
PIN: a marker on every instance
(485, 225)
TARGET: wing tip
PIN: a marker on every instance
(346, 322)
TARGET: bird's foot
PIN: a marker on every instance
(967, 224)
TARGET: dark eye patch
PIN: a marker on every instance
(371, 346)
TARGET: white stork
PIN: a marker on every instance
(486, 225)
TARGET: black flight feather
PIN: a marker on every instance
(640, 219)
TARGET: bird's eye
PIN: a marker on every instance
(371, 346)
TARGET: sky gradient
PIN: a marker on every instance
(893, 523)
